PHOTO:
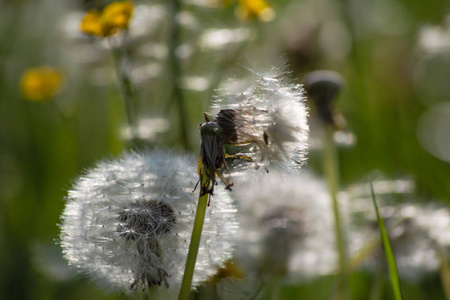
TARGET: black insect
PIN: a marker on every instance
(214, 136)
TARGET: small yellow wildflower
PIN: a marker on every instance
(91, 23)
(40, 84)
(113, 17)
(252, 9)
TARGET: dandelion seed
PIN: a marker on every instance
(109, 21)
(127, 223)
(41, 84)
(268, 115)
(286, 228)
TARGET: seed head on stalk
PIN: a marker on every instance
(128, 222)
(264, 120)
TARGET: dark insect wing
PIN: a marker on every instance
(243, 126)
(224, 130)
(226, 119)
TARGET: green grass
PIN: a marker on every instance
(389, 254)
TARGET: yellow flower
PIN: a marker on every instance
(40, 84)
(113, 17)
(91, 23)
(252, 9)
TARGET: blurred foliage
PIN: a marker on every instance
(374, 45)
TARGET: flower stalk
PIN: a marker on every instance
(331, 170)
(153, 293)
(174, 61)
(126, 88)
(195, 239)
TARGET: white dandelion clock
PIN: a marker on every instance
(128, 222)
(266, 113)
(286, 228)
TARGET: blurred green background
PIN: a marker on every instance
(393, 54)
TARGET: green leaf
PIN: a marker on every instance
(393, 272)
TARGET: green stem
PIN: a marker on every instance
(195, 241)
(177, 94)
(331, 169)
(126, 89)
(153, 293)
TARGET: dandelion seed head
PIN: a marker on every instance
(268, 114)
(286, 227)
(128, 222)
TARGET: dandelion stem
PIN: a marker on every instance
(153, 293)
(126, 88)
(177, 93)
(195, 242)
(331, 170)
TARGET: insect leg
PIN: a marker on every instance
(239, 156)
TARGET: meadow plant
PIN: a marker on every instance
(113, 18)
(134, 223)
(128, 221)
(41, 84)
(265, 114)
(270, 118)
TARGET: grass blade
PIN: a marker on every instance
(393, 272)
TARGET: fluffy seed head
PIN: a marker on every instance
(267, 113)
(128, 222)
(287, 227)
